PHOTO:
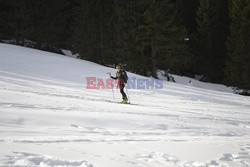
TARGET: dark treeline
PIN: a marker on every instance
(185, 37)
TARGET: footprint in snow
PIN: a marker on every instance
(30, 159)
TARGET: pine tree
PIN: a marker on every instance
(5, 15)
(238, 67)
(19, 21)
(52, 23)
(108, 32)
(151, 37)
(125, 34)
(47, 23)
(87, 41)
(209, 43)
(186, 14)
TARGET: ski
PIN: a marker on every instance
(111, 101)
(117, 102)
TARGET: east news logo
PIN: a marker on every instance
(132, 83)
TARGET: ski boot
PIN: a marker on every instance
(124, 101)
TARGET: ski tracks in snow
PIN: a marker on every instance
(49, 113)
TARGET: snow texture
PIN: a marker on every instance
(49, 118)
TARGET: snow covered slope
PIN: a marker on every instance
(196, 83)
(49, 118)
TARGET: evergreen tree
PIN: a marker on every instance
(19, 21)
(48, 23)
(186, 14)
(108, 32)
(87, 34)
(52, 23)
(151, 37)
(5, 15)
(209, 43)
(125, 33)
(238, 67)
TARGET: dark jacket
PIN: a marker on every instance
(122, 76)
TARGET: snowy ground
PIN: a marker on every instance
(49, 118)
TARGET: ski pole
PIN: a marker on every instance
(113, 93)
(127, 93)
(112, 88)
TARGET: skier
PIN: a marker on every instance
(122, 77)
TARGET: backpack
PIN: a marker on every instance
(123, 72)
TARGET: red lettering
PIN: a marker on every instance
(90, 83)
(100, 84)
(109, 84)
